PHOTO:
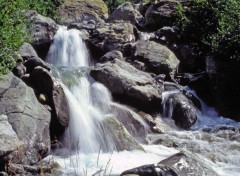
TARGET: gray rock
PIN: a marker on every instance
(10, 145)
(158, 58)
(115, 54)
(42, 32)
(119, 135)
(124, 80)
(27, 51)
(184, 112)
(29, 119)
(180, 164)
(111, 36)
(126, 12)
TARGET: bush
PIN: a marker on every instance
(215, 24)
(13, 26)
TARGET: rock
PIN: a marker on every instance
(42, 32)
(82, 10)
(160, 14)
(10, 146)
(180, 164)
(111, 36)
(29, 119)
(119, 134)
(158, 58)
(126, 12)
(27, 51)
(34, 62)
(186, 163)
(184, 112)
(42, 81)
(60, 114)
(128, 83)
(110, 56)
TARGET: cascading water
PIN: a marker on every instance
(91, 103)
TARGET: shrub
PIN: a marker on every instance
(215, 24)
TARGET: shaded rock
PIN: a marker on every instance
(34, 62)
(125, 81)
(110, 36)
(11, 148)
(82, 10)
(110, 56)
(161, 13)
(120, 136)
(29, 119)
(42, 32)
(27, 51)
(182, 110)
(158, 58)
(126, 12)
(180, 164)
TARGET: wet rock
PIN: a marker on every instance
(126, 12)
(111, 36)
(184, 112)
(82, 10)
(158, 58)
(125, 81)
(29, 119)
(42, 32)
(110, 56)
(120, 136)
(10, 146)
(180, 164)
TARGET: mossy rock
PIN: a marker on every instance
(79, 10)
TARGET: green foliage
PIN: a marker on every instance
(13, 26)
(216, 24)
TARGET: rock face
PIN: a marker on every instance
(42, 32)
(111, 36)
(29, 119)
(10, 145)
(115, 54)
(160, 14)
(82, 10)
(180, 164)
(126, 12)
(184, 112)
(125, 81)
(158, 58)
(120, 136)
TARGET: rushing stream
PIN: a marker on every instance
(91, 149)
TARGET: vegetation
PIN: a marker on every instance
(13, 26)
(215, 24)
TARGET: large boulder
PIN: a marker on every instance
(119, 135)
(29, 119)
(127, 82)
(27, 51)
(180, 164)
(126, 12)
(10, 146)
(111, 36)
(42, 32)
(158, 58)
(82, 10)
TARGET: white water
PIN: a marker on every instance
(91, 102)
